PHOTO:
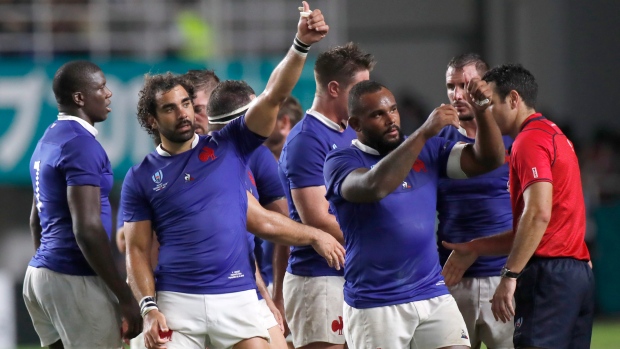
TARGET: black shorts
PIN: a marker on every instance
(554, 304)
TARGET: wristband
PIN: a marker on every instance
(300, 48)
(147, 304)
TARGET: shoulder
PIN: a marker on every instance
(344, 153)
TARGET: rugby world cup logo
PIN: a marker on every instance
(158, 177)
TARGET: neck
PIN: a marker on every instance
(470, 127)
(523, 114)
(174, 148)
(329, 107)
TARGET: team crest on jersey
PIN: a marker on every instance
(158, 177)
(419, 166)
(207, 153)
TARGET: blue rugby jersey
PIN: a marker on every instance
(67, 155)
(264, 168)
(391, 251)
(473, 208)
(301, 165)
(197, 204)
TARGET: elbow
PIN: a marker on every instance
(273, 98)
(542, 216)
(85, 231)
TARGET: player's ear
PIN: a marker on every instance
(152, 122)
(514, 98)
(354, 123)
(333, 89)
(78, 98)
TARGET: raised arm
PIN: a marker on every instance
(90, 235)
(35, 225)
(262, 114)
(370, 185)
(488, 152)
(283, 230)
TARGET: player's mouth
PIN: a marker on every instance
(393, 131)
(107, 107)
(184, 126)
(461, 106)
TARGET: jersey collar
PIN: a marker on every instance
(530, 119)
(90, 128)
(363, 147)
(162, 152)
(323, 119)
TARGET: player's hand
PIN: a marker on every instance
(501, 304)
(279, 304)
(132, 321)
(120, 240)
(313, 28)
(441, 117)
(276, 313)
(479, 94)
(461, 258)
(330, 249)
(154, 324)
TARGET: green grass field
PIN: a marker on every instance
(606, 335)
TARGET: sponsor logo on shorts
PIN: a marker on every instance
(518, 323)
(464, 335)
(406, 185)
(338, 325)
(188, 177)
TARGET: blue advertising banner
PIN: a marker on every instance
(28, 107)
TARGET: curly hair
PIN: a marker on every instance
(147, 104)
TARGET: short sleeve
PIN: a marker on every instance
(440, 149)
(532, 158)
(305, 159)
(338, 166)
(238, 133)
(133, 203)
(265, 169)
(82, 160)
(119, 217)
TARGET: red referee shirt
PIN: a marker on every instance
(542, 153)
